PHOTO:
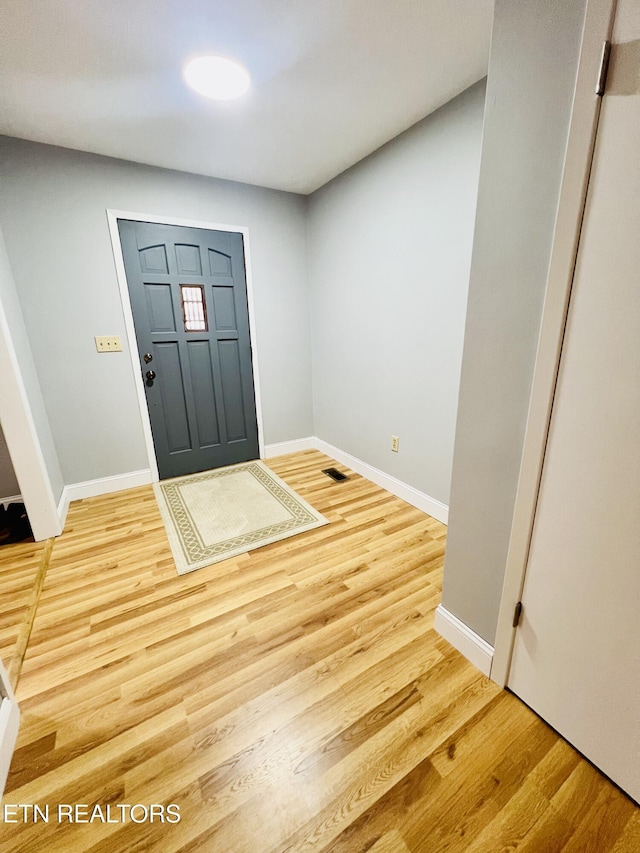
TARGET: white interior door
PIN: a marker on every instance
(576, 659)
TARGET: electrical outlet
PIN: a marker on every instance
(108, 343)
(395, 442)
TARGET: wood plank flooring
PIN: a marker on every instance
(296, 698)
(19, 565)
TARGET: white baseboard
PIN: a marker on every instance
(14, 499)
(101, 486)
(105, 485)
(422, 501)
(282, 447)
(9, 724)
(466, 641)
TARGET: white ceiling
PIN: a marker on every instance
(332, 79)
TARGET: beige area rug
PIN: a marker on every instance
(219, 514)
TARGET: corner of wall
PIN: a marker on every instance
(465, 640)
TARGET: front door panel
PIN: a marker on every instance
(189, 302)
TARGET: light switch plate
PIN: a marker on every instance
(108, 343)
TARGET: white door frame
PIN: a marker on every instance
(582, 131)
(21, 434)
(9, 725)
(125, 298)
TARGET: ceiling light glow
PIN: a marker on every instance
(216, 77)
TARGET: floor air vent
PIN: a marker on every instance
(336, 475)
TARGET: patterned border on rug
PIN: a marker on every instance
(188, 549)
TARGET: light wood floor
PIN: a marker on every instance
(295, 698)
(18, 570)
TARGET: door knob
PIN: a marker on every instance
(147, 357)
(151, 375)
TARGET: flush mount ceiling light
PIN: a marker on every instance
(216, 77)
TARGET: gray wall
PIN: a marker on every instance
(28, 373)
(532, 71)
(52, 212)
(389, 255)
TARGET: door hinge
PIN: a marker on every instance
(604, 67)
(517, 613)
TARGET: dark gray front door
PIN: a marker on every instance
(189, 300)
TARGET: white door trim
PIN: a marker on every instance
(9, 724)
(21, 435)
(112, 218)
(580, 144)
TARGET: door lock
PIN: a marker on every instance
(147, 357)
(151, 375)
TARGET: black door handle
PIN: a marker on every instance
(151, 375)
